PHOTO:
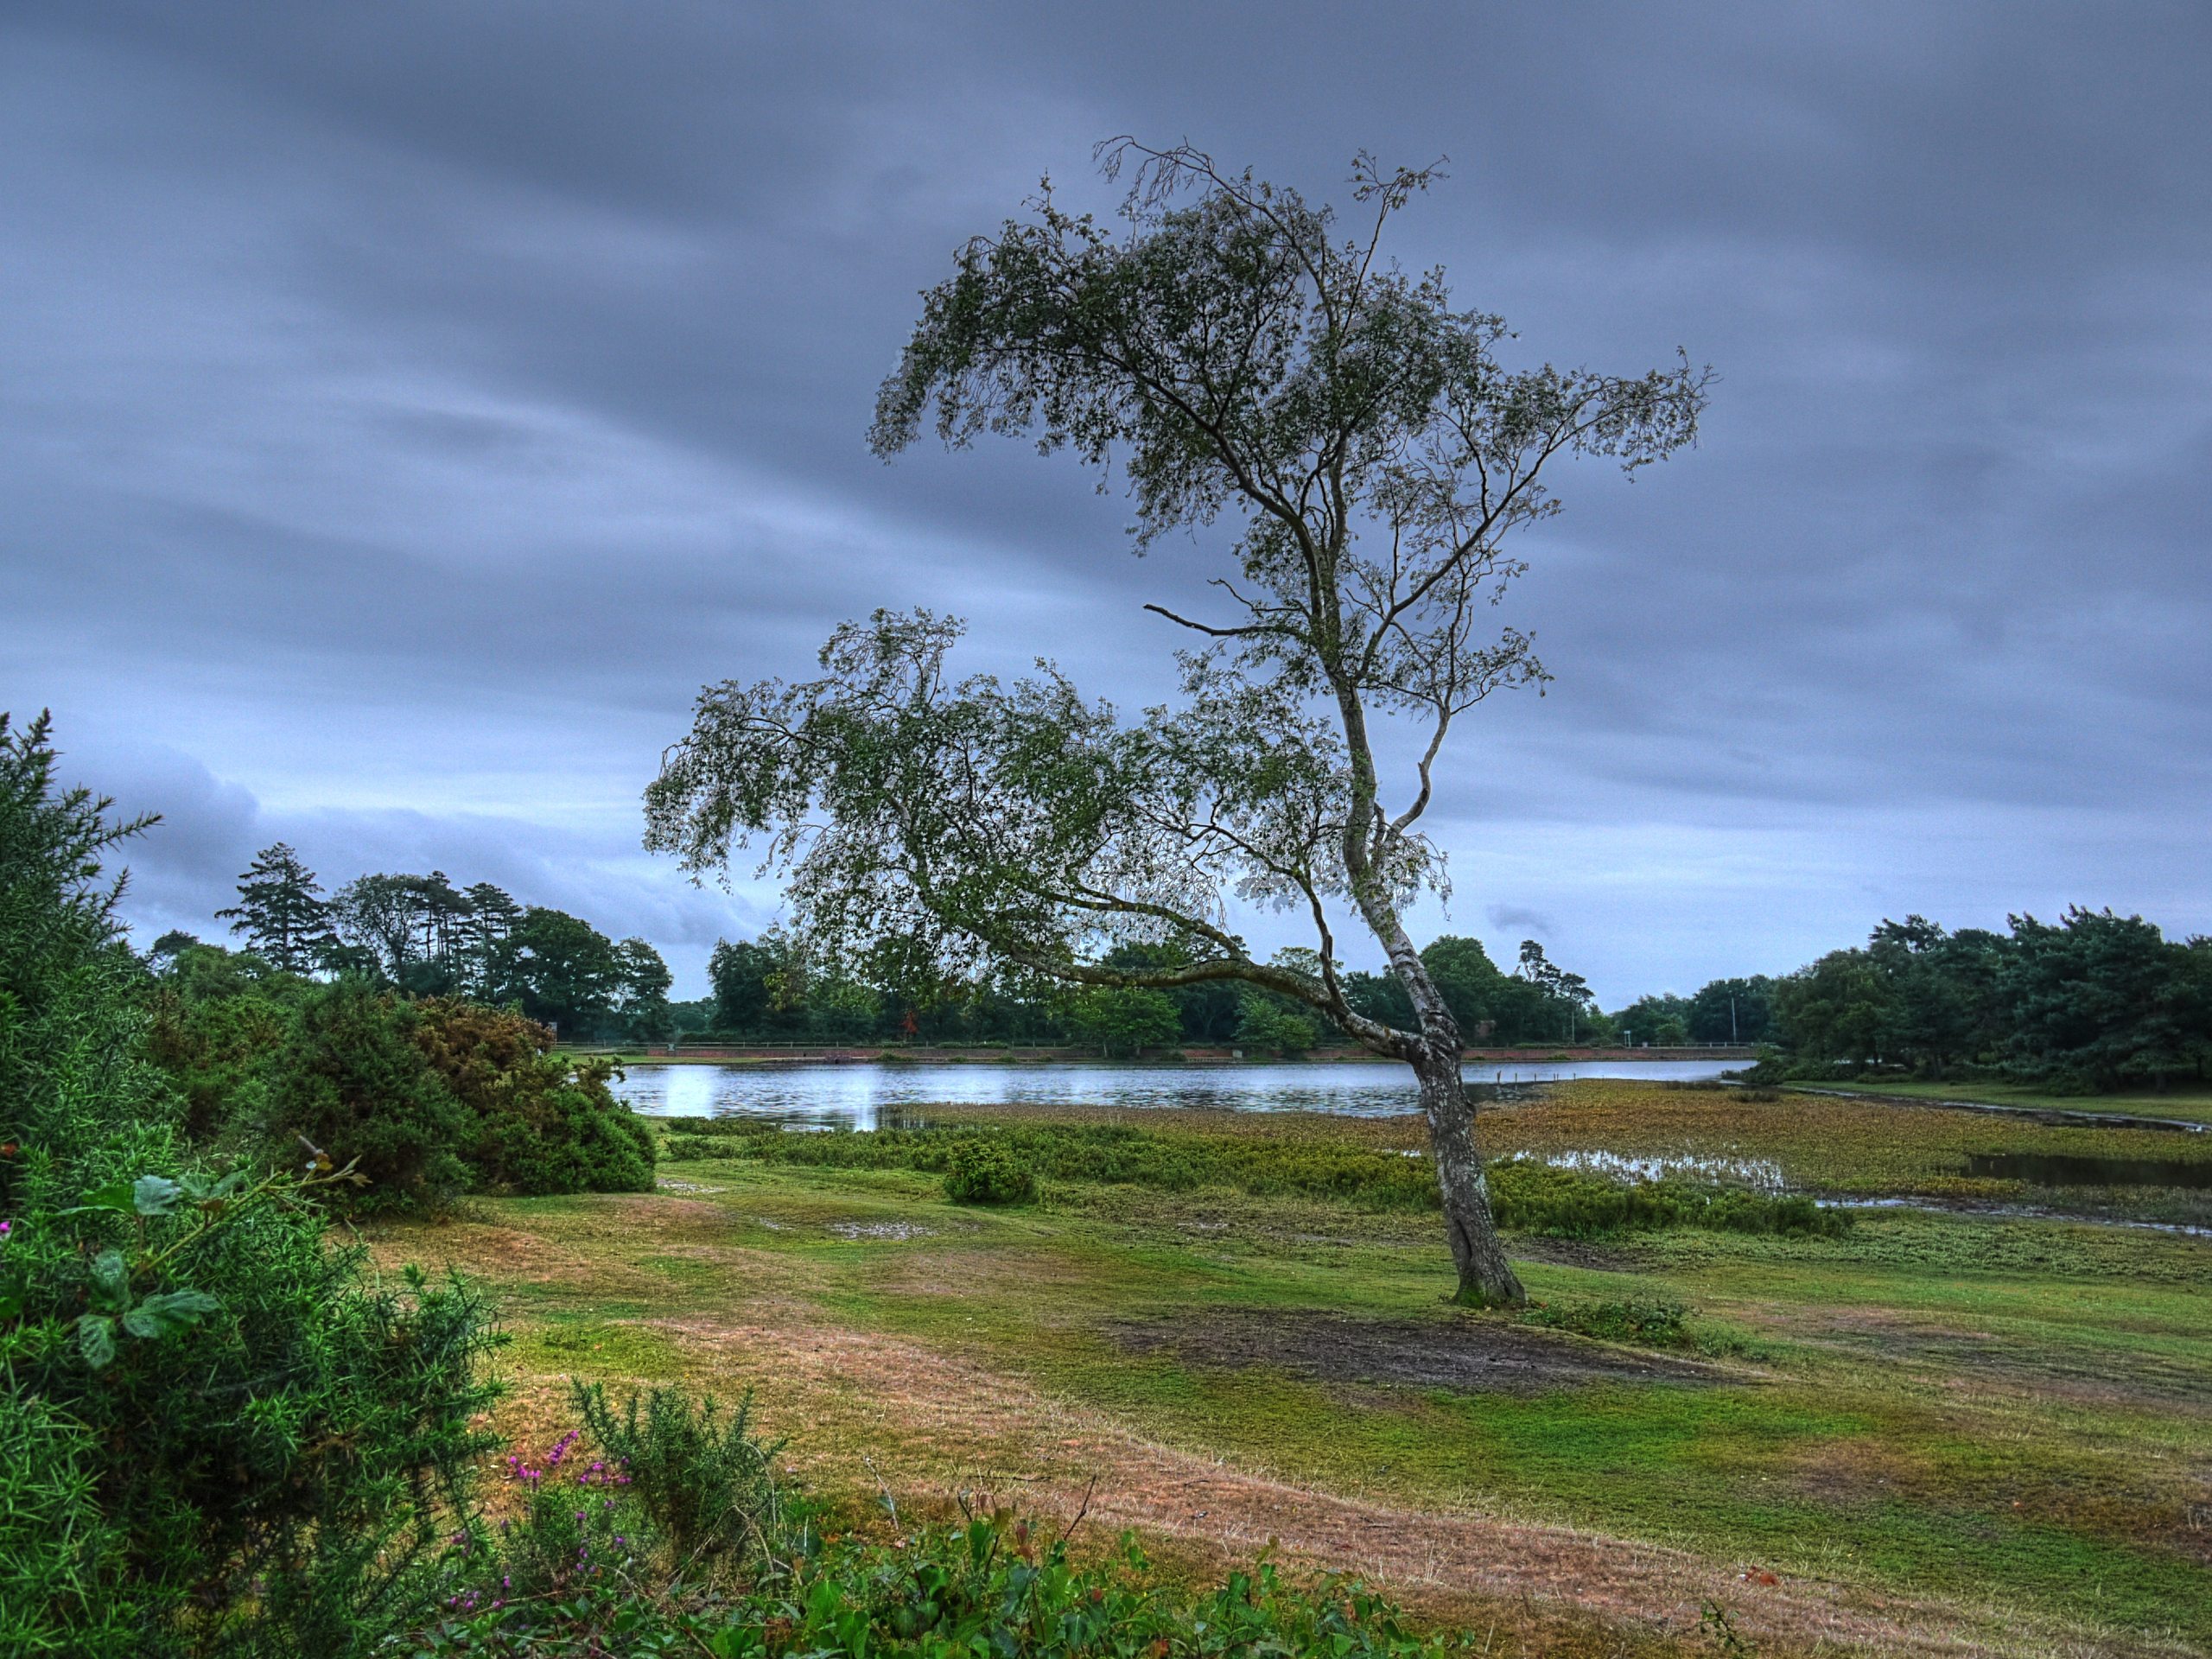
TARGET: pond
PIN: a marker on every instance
(861, 1096)
(2051, 1169)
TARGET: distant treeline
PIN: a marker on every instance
(422, 935)
(766, 990)
(2089, 1003)
(2093, 1001)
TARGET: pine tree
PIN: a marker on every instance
(281, 911)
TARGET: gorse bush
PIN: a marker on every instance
(983, 1172)
(702, 1476)
(429, 1099)
(352, 1079)
(217, 1017)
(216, 1436)
(542, 1122)
(627, 1531)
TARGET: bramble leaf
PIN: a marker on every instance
(154, 1195)
(111, 1282)
(115, 1196)
(168, 1313)
(95, 1337)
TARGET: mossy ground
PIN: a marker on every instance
(1937, 1431)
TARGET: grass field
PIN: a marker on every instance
(1937, 1433)
(2193, 1104)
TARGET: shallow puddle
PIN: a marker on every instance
(1761, 1174)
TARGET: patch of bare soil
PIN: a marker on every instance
(1471, 1355)
(1578, 1253)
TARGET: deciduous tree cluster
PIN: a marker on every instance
(423, 935)
(2091, 1002)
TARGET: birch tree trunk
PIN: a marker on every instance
(1486, 1278)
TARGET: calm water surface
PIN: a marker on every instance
(2053, 1169)
(861, 1096)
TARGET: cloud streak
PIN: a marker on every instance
(407, 410)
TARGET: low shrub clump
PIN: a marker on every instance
(1530, 1196)
(426, 1099)
(704, 1480)
(352, 1079)
(978, 1171)
(542, 1122)
(1645, 1324)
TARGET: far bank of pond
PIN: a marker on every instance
(859, 1095)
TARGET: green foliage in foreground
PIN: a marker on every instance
(659, 1526)
(1526, 1195)
(990, 1587)
(217, 1435)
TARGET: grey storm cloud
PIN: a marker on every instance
(407, 408)
(1510, 918)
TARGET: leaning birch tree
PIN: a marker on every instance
(1255, 372)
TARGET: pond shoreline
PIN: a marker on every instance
(822, 1093)
(919, 1054)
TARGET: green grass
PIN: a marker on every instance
(2012, 1413)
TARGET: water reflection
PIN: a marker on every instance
(867, 1097)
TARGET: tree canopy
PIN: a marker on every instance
(1247, 365)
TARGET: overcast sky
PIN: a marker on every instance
(404, 409)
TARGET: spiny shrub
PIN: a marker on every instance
(624, 1535)
(702, 1476)
(352, 1079)
(978, 1171)
(542, 1122)
(434, 1098)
